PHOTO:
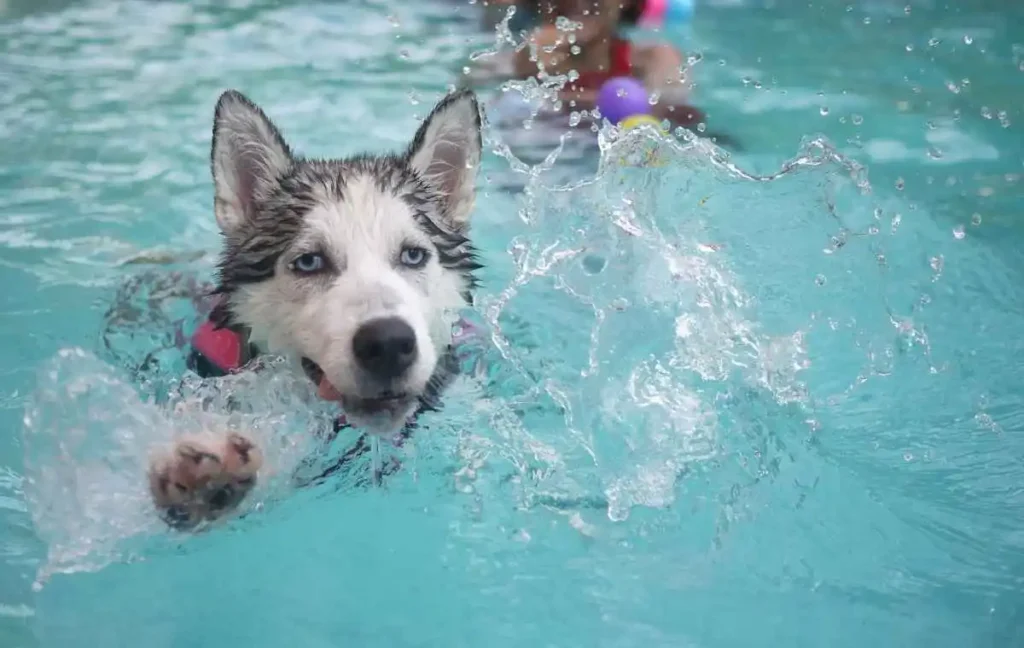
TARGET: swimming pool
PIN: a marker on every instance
(723, 411)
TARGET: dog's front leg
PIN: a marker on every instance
(203, 478)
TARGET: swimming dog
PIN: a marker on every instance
(354, 267)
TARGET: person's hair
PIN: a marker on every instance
(631, 10)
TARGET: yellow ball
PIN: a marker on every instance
(632, 122)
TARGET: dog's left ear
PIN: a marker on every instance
(446, 153)
(249, 156)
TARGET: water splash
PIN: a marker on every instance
(89, 434)
(629, 347)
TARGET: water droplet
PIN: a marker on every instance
(986, 112)
(900, 184)
(575, 49)
(952, 87)
(907, 456)
(1004, 119)
(574, 118)
(593, 264)
(934, 153)
(932, 42)
(701, 127)
(906, 10)
(824, 111)
(958, 232)
(896, 220)
(968, 39)
(403, 53)
(820, 280)
(393, 19)
(878, 213)
(653, 99)
(867, 20)
(414, 98)
(910, 48)
(976, 219)
(857, 120)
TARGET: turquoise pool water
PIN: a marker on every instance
(767, 401)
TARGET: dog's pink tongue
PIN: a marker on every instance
(326, 390)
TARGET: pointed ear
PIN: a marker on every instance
(446, 153)
(248, 157)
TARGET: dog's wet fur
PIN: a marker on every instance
(356, 268)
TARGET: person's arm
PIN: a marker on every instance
(551, 49)
(663, 70)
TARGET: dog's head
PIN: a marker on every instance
(356, 265)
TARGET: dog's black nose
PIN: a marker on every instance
(385, 347)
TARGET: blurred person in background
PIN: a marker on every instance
(588, 42)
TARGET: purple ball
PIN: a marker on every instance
(622, 97)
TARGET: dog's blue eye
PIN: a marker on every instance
(309, 263)
(413, 257)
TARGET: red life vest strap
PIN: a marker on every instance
(222, 347)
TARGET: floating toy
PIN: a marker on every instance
(624, 101)
(621, 98)
(657, 13)
(633, 121)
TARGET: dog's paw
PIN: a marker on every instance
(203, 479)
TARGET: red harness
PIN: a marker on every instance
(222, 347)
(620, 64)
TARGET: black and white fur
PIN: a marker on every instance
(353, 267)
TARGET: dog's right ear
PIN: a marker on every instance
(446, 153)
(248, 157)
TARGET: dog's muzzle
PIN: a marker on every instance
(384, 350)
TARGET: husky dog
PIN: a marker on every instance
(353, 267)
